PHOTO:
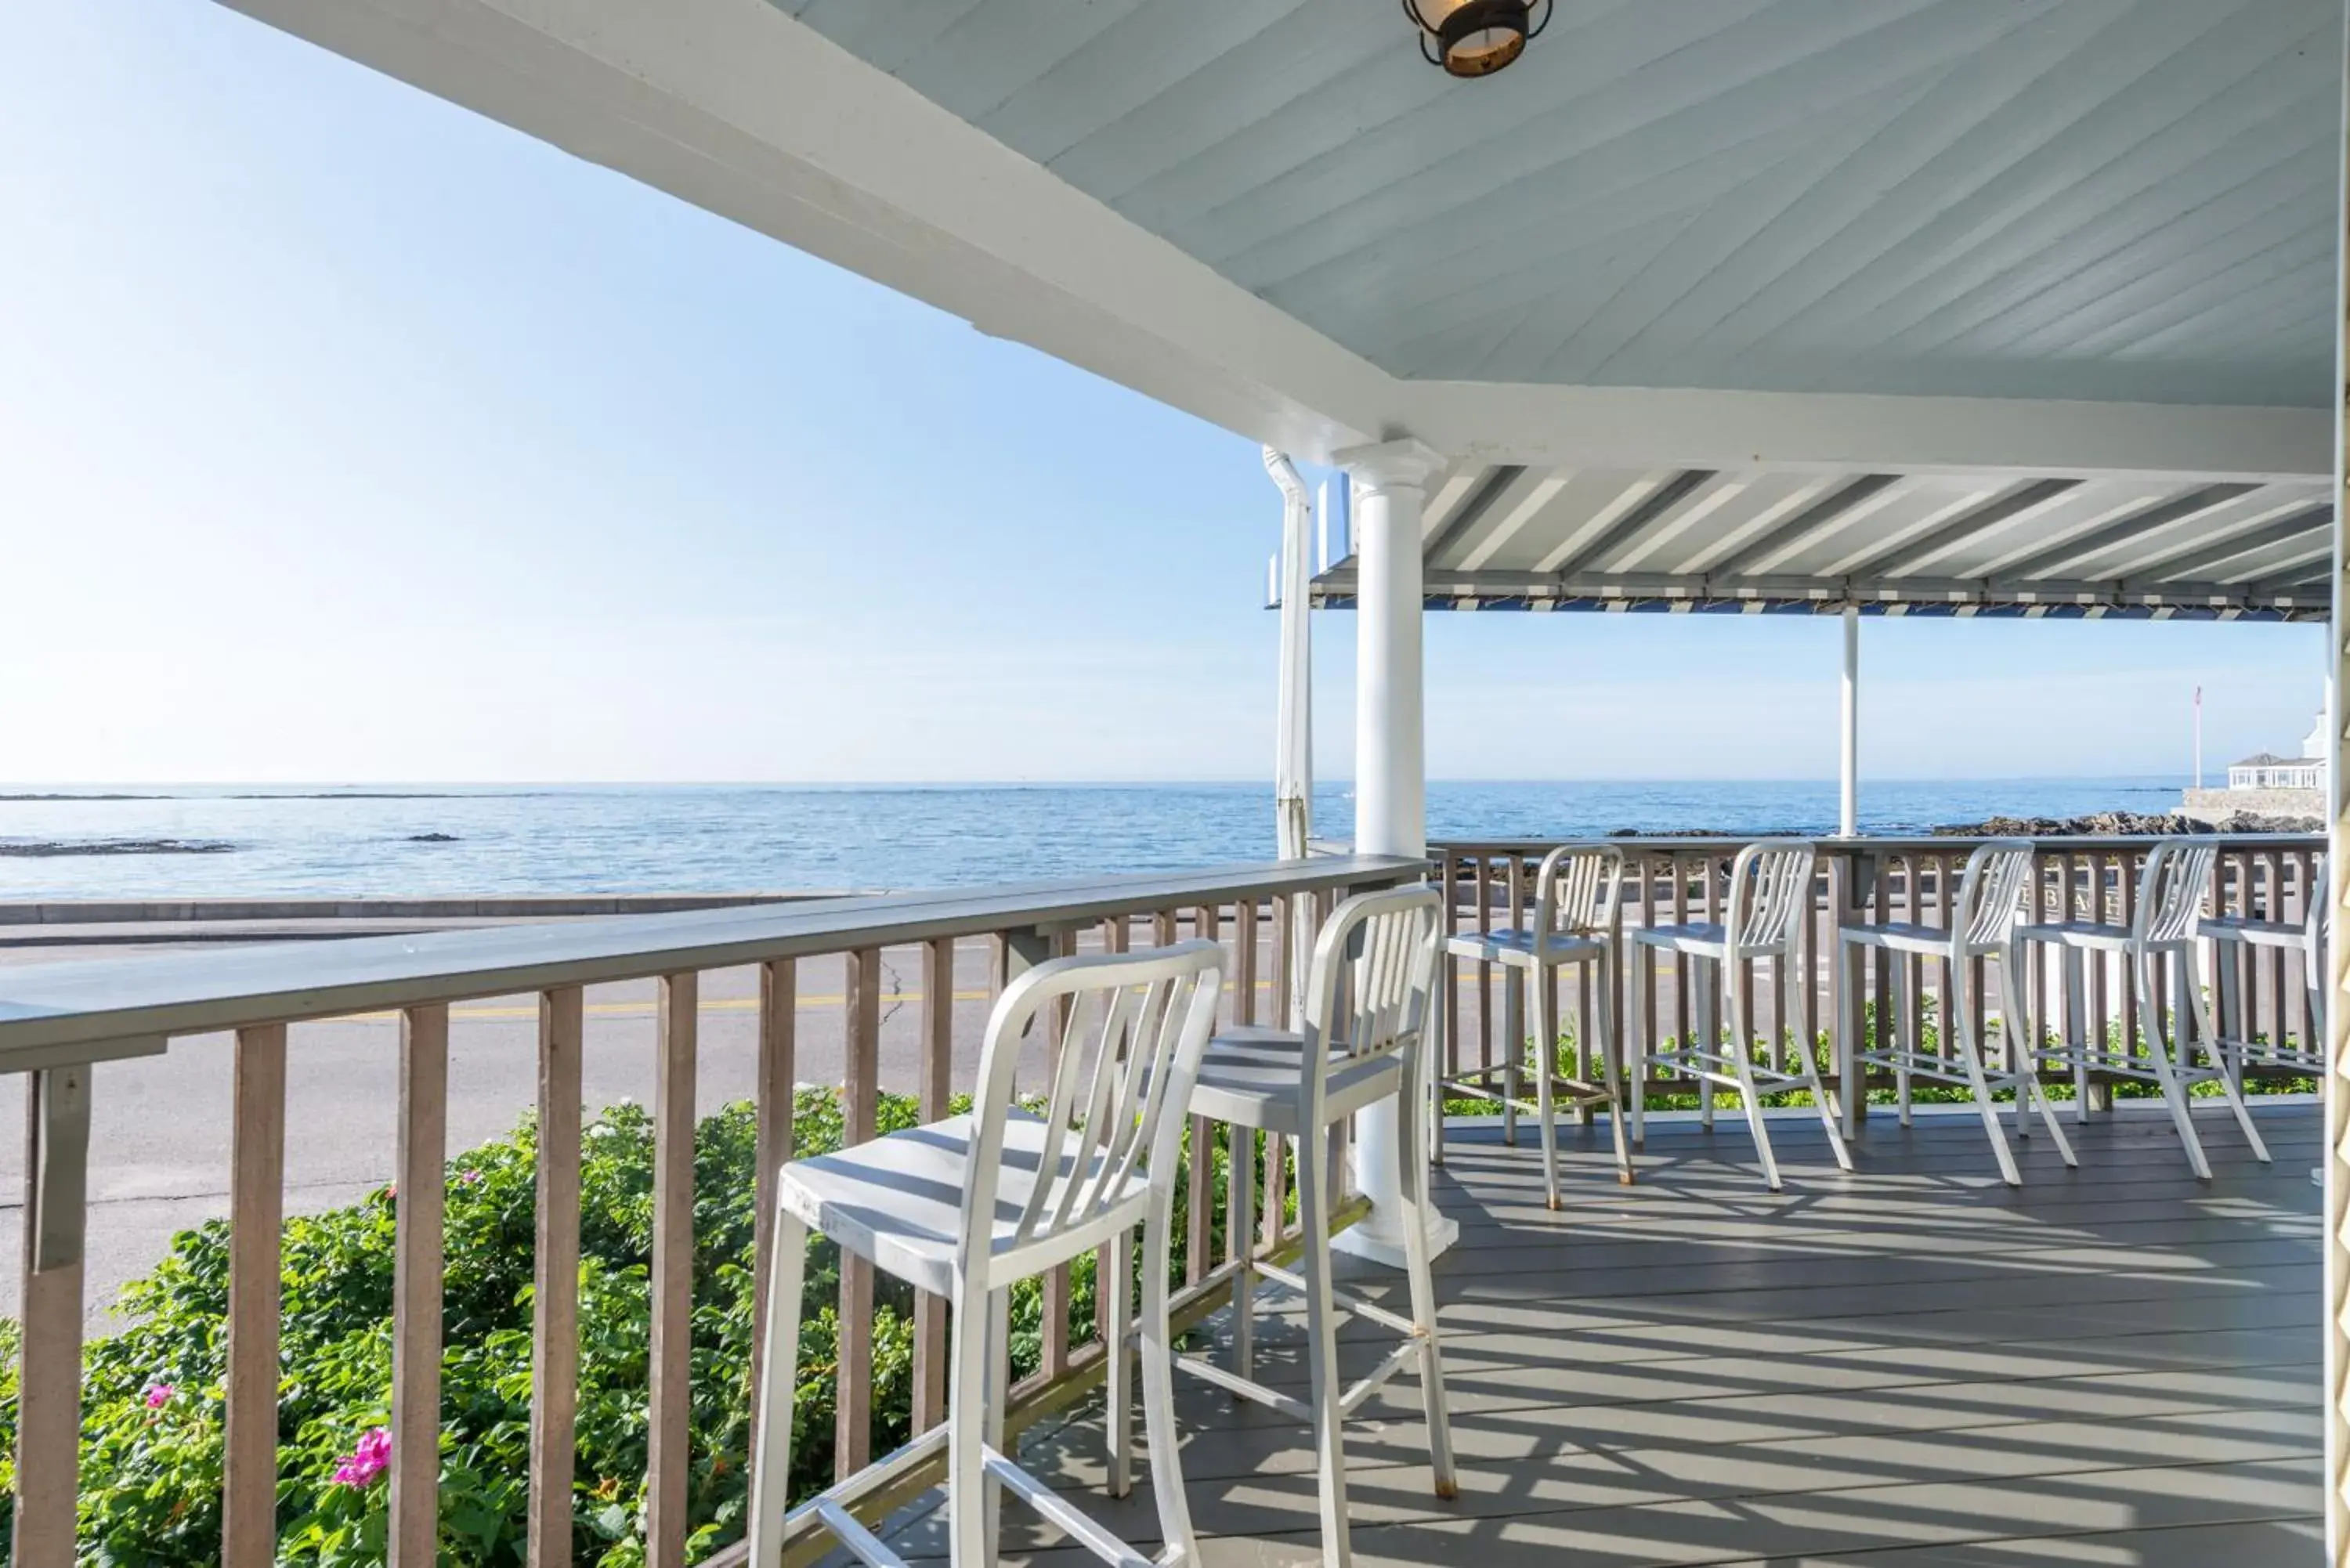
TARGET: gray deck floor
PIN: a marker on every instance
(1903, 1366)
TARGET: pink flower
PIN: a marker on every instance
(470, 1177)
(392, 1189)
(157, 1395)
(369, 1458)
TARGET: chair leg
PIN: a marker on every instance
(2174, 1093)
(2196, 1006)
(1905, 982)
(1546, 1059)
(1513, 1047)
(1240, 1163)
(1416, 1205)
(1607, 1045)
(968, 1545)
(1322, 1344)
(1742, 1058)
(1850, 1068)
(1704, 1033)
(1118, 1392)
(999, 1387)
(2015, 1029)
(2029, 1083)
(1438, 1047)
(2022, 1038)
(1636, 1049)
(2234, 1029)
(1159, 1389)
(771, 1473)
(1837, 1145)
(1970, 1049)
(2076, 1029)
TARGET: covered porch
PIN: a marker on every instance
(1752, 306)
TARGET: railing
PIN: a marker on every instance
(1861, 881)
(56, 1020)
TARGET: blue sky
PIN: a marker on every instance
(346, 435)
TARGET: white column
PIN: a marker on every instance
(1390, 761)
(1848, 799)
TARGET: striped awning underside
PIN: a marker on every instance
(1769, 541)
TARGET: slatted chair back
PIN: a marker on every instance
(1128, 1032)
(1374, 977)
(2170, 889)
(1769, 896)
(1578, 889)
(1990, 891)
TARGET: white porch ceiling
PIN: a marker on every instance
(2122, 201)
(1765, 539)
(2016, 238)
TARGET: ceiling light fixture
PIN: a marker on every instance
(1475, 38)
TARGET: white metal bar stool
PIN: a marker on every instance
(1983, 928)
(2304, 940)
(2169, 911)
(967, 1207)
(1370, 1012)
(1576, 895)
(1769, 900)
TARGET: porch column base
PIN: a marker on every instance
(1377, 1237)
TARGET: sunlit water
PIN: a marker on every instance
(354, 843)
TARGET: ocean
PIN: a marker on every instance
(357, 841)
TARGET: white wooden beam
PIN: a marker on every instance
(1637, 427)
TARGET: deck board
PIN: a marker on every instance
(1905, 1367)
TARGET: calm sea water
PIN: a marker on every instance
(361, 842)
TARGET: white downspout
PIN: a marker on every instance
(1849, 783)
(1292, 764)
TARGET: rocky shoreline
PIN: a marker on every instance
(2125, 825)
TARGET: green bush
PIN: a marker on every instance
(152, 1402)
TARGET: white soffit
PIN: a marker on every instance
(1761, 539)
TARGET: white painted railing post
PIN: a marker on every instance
(1391, 483)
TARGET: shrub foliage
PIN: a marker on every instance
(153, 1397)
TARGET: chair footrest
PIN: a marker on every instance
(2182, 1072)
(1231, 1382)
(1722, 1068)
(860, 1542)
(1924, 1065)
(1057, 1510)
(1344, 1300)
(1567, 1091)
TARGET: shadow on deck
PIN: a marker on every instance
(1903, 1366)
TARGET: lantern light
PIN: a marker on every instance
(1475, 38)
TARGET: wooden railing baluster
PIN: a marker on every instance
(935, 1090)
(861, 1091)
(421, 1163)
(554, 1294)
(256, 1271)
(669, 1396)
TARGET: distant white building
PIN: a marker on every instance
(2267, 784)
(2266, 770)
